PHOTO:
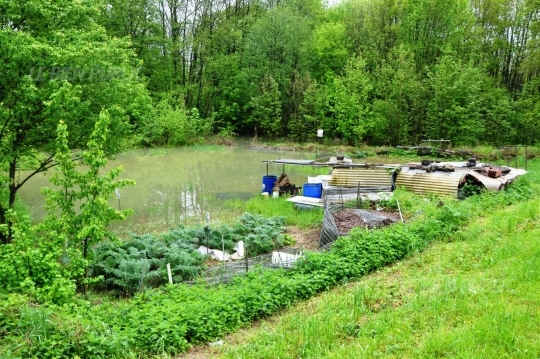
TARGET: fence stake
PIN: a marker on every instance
(246, 257)
(169, 272)
(399, 209)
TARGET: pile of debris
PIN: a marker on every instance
(349, 218)
(338, 221)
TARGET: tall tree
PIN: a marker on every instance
(139, 22)
(453, 107)
(508, 30)
(276, 45)
(59, 65)
(399, 93)
(266, 109)
(350, 103)
(431, 27)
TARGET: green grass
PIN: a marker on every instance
(269, 207)
(476, 295)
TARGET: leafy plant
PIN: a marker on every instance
(142, 261)
(81, 229)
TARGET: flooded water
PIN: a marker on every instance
(179, 185)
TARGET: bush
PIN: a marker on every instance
(260, 234)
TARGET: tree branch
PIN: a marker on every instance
(44, 166)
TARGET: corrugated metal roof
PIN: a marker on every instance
(367, 177)
(445, 183)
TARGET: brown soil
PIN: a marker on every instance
(347, 220)
(305, 238)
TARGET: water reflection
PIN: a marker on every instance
(179, 185)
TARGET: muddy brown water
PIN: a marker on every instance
(179, 185)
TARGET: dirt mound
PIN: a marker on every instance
(348, 219)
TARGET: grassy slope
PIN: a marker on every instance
(477, 295)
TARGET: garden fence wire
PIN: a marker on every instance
(225, 271)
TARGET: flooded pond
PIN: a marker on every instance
(179, 185)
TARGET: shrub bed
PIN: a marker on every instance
(124, 265)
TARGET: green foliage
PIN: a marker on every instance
(435, 68)
(260, 234)
(142, 261)
(303, 126)
(168, 319)
(89, 225)
(329, 52)
(453, 112)
(45, 270)
(47, 259)
(173, 125)
(350, 103)
(444, 298)
(266, 109)
(400, 95)
(62, 66)
(471, 188)
(267, 207)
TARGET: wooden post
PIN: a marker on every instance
(526, 159)
(142, 279)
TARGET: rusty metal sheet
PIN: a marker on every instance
(419, 182)
(496, 184)
(378, 178)
(492, 184)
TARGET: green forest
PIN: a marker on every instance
(382, 72)
(365, 71)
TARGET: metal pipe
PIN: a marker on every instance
(526, 158)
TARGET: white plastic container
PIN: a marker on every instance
(324, 180)
(314, 179)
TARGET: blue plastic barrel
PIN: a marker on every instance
(268, 183)
(313, 190)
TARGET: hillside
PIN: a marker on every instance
(474, 295)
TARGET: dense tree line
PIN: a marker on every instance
(375, 71)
